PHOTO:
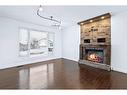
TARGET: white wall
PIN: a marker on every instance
(70, 43)
(119, 42)
(9, 43)
(71, 40)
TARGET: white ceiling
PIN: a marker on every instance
(69, 15)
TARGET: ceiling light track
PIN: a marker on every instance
(50, 18)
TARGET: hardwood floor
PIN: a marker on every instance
(60, 74)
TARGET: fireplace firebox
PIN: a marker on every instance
(94, 54)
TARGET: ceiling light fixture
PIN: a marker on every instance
(82, 23)
(102, 17)
(57, 22)
(91, 20)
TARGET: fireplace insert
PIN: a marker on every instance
(97, 56)
(94, 54)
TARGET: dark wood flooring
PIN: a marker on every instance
(60, 74)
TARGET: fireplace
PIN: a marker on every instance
(94, 55)
(95, 41)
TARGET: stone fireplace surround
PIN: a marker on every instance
(95, 44)
(106, 58)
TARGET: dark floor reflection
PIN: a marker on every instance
(60, 74)
(94, 78)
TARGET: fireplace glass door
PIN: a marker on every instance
(94, 54)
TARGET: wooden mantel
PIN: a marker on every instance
(97, 18)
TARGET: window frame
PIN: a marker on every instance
(28, 52)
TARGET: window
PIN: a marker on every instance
(38, 42)
(50, 43)
(33, 42)
(23, 42)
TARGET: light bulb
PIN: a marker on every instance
(102, 17)
(91, 20)
(81, 23)
(40, 8)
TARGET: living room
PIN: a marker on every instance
(63, 47)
